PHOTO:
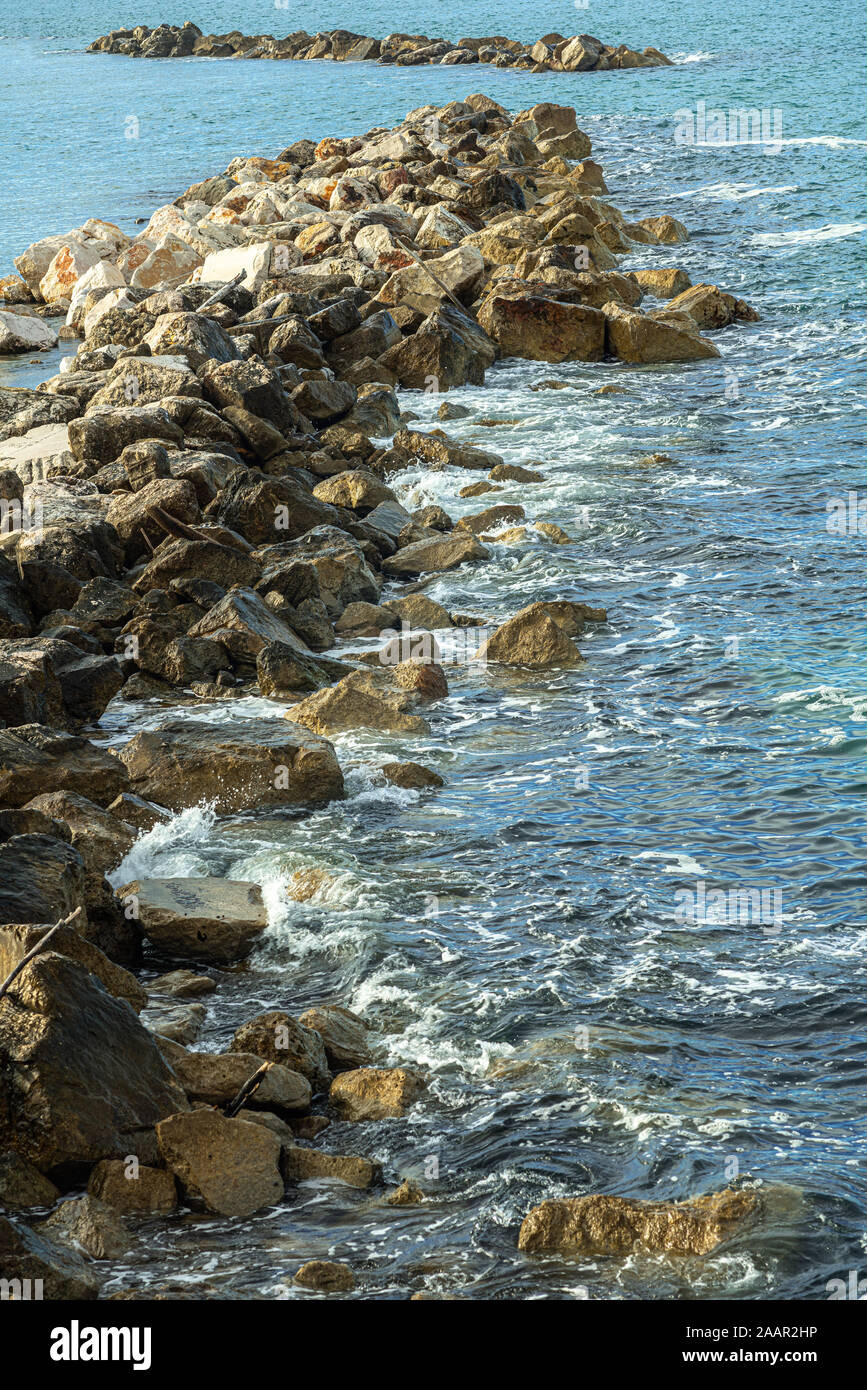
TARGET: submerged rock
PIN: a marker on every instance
(326, 1276)
(605, 1225)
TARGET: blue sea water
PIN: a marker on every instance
(517, 935)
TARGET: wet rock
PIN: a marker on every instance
(491, 518)
(216, 1078)
(362, 700)
(230, 1166)
(41, 879)
(531, 638)
(438, 554)
(80, 1078)
(411, 776)
(409, 1194)
(606, 1225)
(16, 940)
(635, 337)
(325, 401)
(325, 1276)
(276, 1037)
(343, 1033)
(283, 670)
(182, 984)
(237, 768)
(22, 1185)
(373, 1094)
(100, 838)
(420, 612)
(210, 919)
(303, 1165)
(244, 624)
(542, 328)
(87, 1224)
(356, 489)
(29, 1257)
(36, 759)
(132, 1188)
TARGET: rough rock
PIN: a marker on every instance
(373, 1094)
(343, 1033)
(132, 1188)
(237, 767)
(276, 1037)
(228, 1165)
(325, 1276)
(605, 1225)
(531, 638)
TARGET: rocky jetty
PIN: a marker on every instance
(551, 53)
(200, 505)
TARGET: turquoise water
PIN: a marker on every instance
(716, 735)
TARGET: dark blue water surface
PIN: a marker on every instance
(517, 934)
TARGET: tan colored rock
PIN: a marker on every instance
(182, 984)
(375, 1094)
(277, 1037)
(362, 700)
(635, 337)
(325, 1276)
(132, 1188)
(605, 1225)
(217, 1077)
(229, 1165)
(419, 611)
(664, 283)
(531, 325)
(460, 271)
(238, 767)
(210, 919)
(437, 555)
(409, 1194)
(302, 1165)
(343, 1033)
(531, 638)
(552, 532)
(411, 776)
(514, 473)
(355, 489)
(662, 230)
(711, 307)
(70, 263)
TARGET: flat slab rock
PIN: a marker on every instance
(240, 767)
(209, 919)
(605, 1225)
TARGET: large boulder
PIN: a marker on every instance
(436, 554)
(29, 1261)
(236, 767)
(544, 329)
(193, 336)
(133, 1188)
(531, 638)
(36, 759)
(216, 1078)
(41, 879)
(19, 938)
(267, 510)
(449, 349)
(207, 919)
(636, 337)
(423, 287)
(25, 333)
(80, 1078)
(229, 1166)
(605, 1225)
(343, 1033)
(362, 700)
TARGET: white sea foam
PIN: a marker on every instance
(808, 236)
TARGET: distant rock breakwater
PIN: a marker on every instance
(551, 53)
